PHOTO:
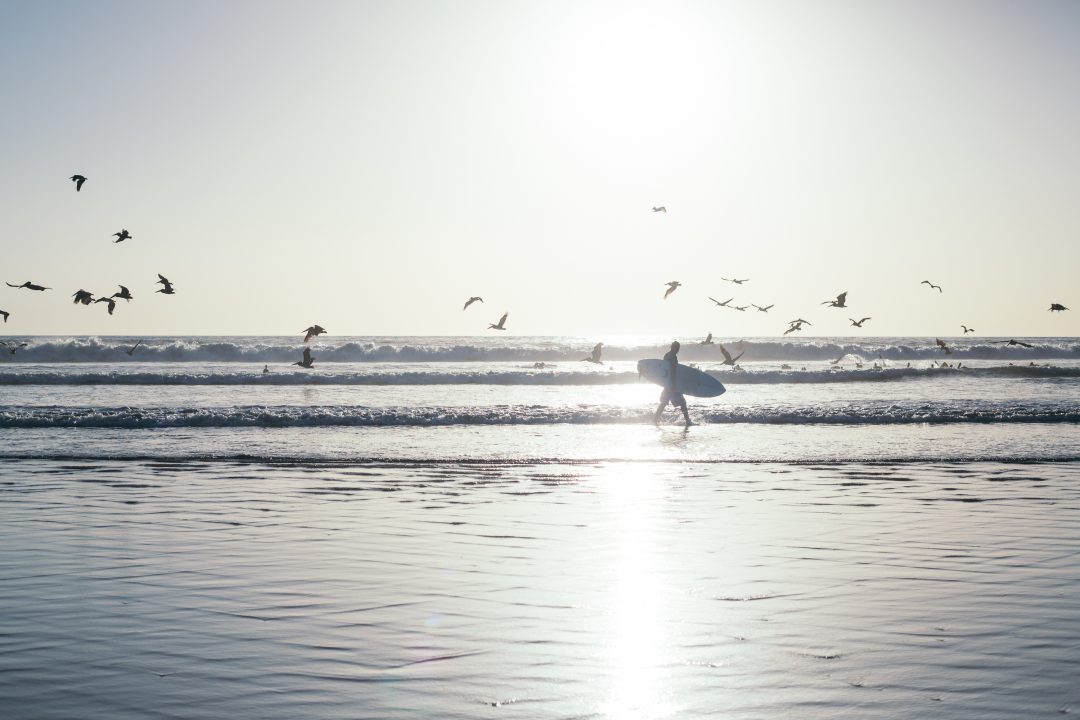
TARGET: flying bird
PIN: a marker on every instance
(83, 296)
(313, 331)
(168, 288)
(763, 309)
(124, 294)
(5, 313)
(966, 329)
(737, 282)
(932, 285)
(858, 323)
(662, 209)
(799, 321)
(1011, 342)
(470, 301)
(594, 357)
(941, 344)
(12, 346)
(28, 285)
(671, 287)
(308, 361)
(122, 236)
(794, 326)
(78, 180)
(501, 325)
(1057, 307)
(740, 308)
(112, 303)
(707, 340)
(721, 304)
(728, 360)
(839, 302)
(132, 350)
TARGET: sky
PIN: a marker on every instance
(368, 166)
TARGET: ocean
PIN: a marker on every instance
(464, 527)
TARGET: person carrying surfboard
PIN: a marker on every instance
(669, 394)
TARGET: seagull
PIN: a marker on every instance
(763, 309)
(662, 209)
(501, 325)
(168, 289)
(733, 280)
(470, 301)
(84, 297)
(78, 180)
(941, 344)
(595, 356)
(839, 302)
(112, 303)
(12, 347)
(858, 323)
(671, 286)
(122, 236)
(28, 285)
(1057, 307)
(966, 329)
(932, 285)
(5, 313)
(313, 331)
(124, 294)
(707, 340)
(728, 360)
(308, 361)
(132, 350)
(1011, 342)
(721, 304)
(794, 326)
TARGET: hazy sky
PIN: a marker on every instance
(370, 165)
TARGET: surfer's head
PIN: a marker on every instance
(675, 346)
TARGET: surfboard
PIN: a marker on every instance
(690, 381)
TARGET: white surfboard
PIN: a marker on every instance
(690, 381)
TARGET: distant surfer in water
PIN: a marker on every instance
(669, 393)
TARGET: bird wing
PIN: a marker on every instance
(841, 297)
(14, 286)
(503, 318)
(725, 353)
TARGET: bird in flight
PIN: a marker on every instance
(470, 301)
(12, 346)
(78, 180)
(721, 304)
(728, 360)
(795, 325)
(932, 285)
(763, 309)
(858, 323)
(671, 287)
(168, 288)
(662, 209)
(84, 297)
(740, 308)
(122, 236)
(501, 325)
(28, 285)
(800, 321)
(839, 302)
(594, 357)
(1011, 342)
(131, 351)
(313, 331)
(736, 281)
(112, 303)
(707, 340)
(5, 313)
(124, 294)
(308, 361)
(1057, 307)
(966, 329)
(941, 344)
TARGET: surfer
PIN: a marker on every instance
(669, 394)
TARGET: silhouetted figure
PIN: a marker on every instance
(763, 309)
(728, 360)
(966, 329)
(662, 209)
(707, 340)
(13, 347)
(313, 331)
(1010, 343)
(737, 282)
(168, 288)
(671, 287)
(112, 303)
(839, 302)
(670, 392)
(721, 304)
(858, 323)
(932, 285)
(941, 344)
(308, 361)
(131, 350)
(29, 286)
(124, 294)
(501, 325)
(82, 296)
(266, 369)
(470, 301)
(594, 357)
(122, 236)
(78, 180)
(1057, 307)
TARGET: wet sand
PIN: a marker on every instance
(209, 590)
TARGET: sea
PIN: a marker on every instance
(494, 527)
